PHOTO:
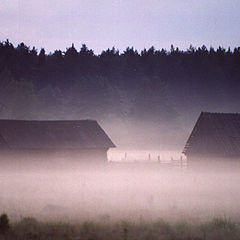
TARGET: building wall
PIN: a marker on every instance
(56, 156)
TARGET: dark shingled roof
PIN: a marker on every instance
(215, 133)
(81, 134)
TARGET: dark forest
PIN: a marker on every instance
(129, 87)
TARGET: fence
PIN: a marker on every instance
(143, 157)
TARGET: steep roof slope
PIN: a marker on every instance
(215, 133)
(81, 134)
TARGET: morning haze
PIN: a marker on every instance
(119, 120)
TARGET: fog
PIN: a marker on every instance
(136, 191)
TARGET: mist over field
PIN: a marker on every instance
(119, 120)
(147, 102)
(119, 191)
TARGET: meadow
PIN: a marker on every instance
(120, 201)
(30, 228)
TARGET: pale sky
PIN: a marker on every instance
(56, 24)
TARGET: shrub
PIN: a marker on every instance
(4, 224)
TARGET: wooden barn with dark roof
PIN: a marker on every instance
(83, 139)
(214, 135)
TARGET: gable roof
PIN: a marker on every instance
(215, 133)
(25, 134)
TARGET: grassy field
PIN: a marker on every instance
(155, 202)
(30, 228)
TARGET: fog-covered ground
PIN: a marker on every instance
(119, 190)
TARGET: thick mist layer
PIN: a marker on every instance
(135, 191)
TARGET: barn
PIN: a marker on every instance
(84, 140)
(215, 135)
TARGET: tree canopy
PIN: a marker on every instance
(150, 85)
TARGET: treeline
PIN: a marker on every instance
(151, 84)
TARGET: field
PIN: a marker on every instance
(120, 201)
(216, 229)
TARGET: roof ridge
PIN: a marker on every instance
(51, 120)
(221, 113)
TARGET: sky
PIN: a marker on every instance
(102, 24)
